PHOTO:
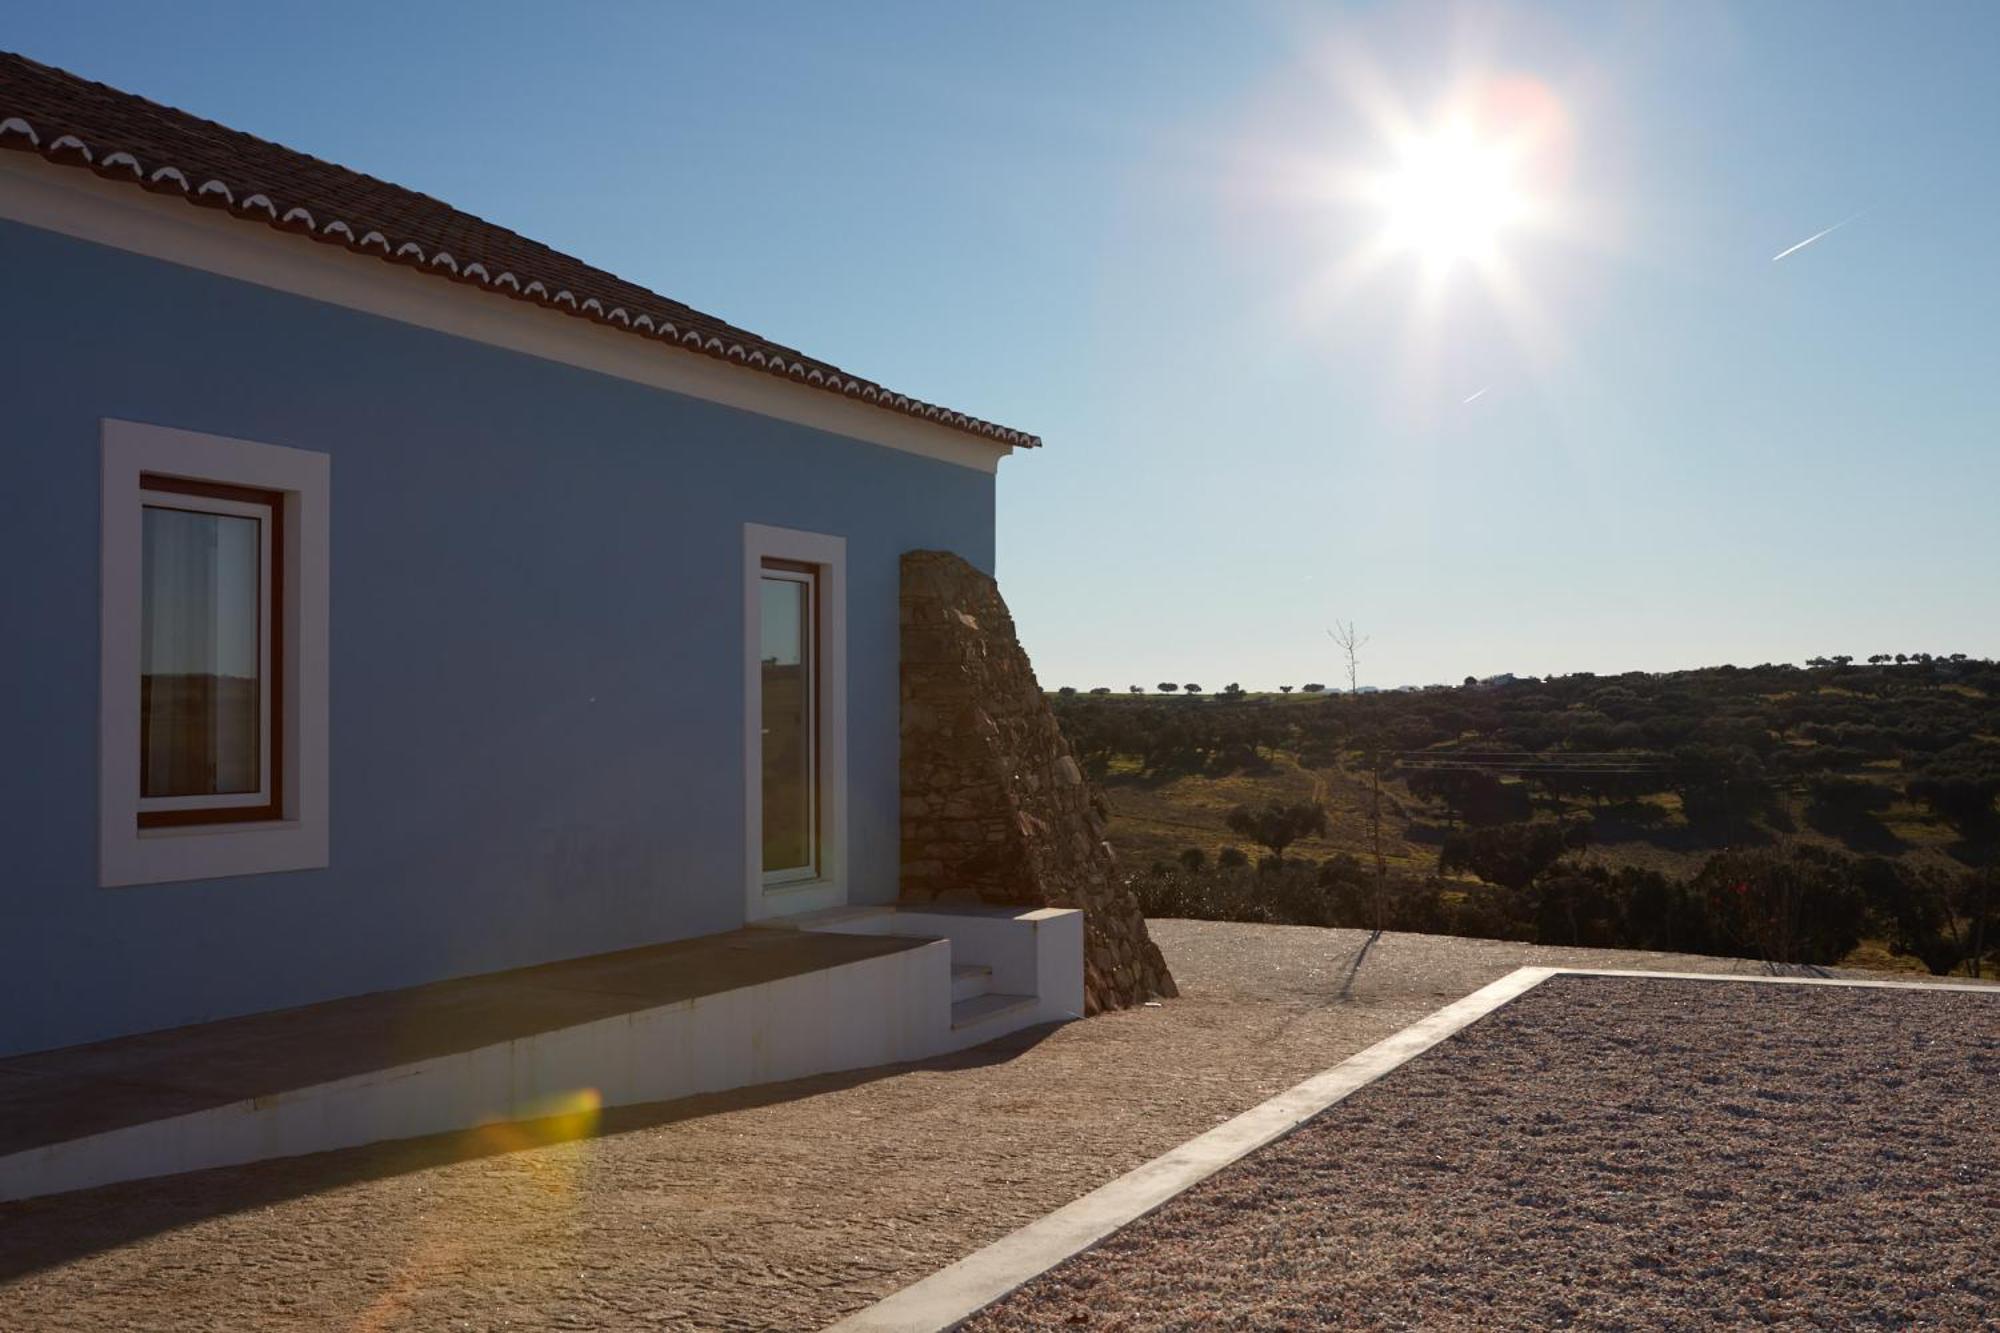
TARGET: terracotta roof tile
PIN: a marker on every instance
(124, 137)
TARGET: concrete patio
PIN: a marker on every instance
(865, 987)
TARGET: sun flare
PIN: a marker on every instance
(1451, 198)
(1459, 211)
(1473, 186)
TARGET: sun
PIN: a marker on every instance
(1444, 226)
(1451, 198)
(1469, 187)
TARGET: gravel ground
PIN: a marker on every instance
(1603, 1154)
(778, 1207)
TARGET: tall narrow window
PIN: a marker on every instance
(789, 653)
(210, 713)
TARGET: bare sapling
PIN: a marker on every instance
(1351, 644)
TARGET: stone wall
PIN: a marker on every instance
(996, 810)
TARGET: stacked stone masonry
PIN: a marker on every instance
(996, 810)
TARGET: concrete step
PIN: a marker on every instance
(983, 1010)
(969, 981)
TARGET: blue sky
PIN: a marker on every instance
(1112, 224)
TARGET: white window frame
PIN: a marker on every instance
(208, 504)
(808, 579)
(791, 893)
(299, 840)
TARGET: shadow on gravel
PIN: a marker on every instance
(37, 1234)
(1354, 965)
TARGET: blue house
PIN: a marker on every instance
(395, 599)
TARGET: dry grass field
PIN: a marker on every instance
(1156, 819)
(1204, 758)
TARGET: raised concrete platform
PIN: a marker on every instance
(76, 1091)
(727, 1011)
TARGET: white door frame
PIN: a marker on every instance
(829, 888)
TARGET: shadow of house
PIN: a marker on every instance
(47, 1232)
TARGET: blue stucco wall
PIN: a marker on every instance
(536, 671)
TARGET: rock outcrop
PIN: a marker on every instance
(996, 809)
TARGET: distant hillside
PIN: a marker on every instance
(1884, 761)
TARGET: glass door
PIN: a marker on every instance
(789, 653)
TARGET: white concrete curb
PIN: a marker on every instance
(971, 1284)
(953, 1294)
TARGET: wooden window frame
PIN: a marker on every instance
(271, 657)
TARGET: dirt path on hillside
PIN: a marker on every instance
(778, 1207)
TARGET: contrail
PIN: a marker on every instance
(1818, 235)
(1477, 393)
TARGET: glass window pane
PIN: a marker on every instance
(199, 687)
(787, 653)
